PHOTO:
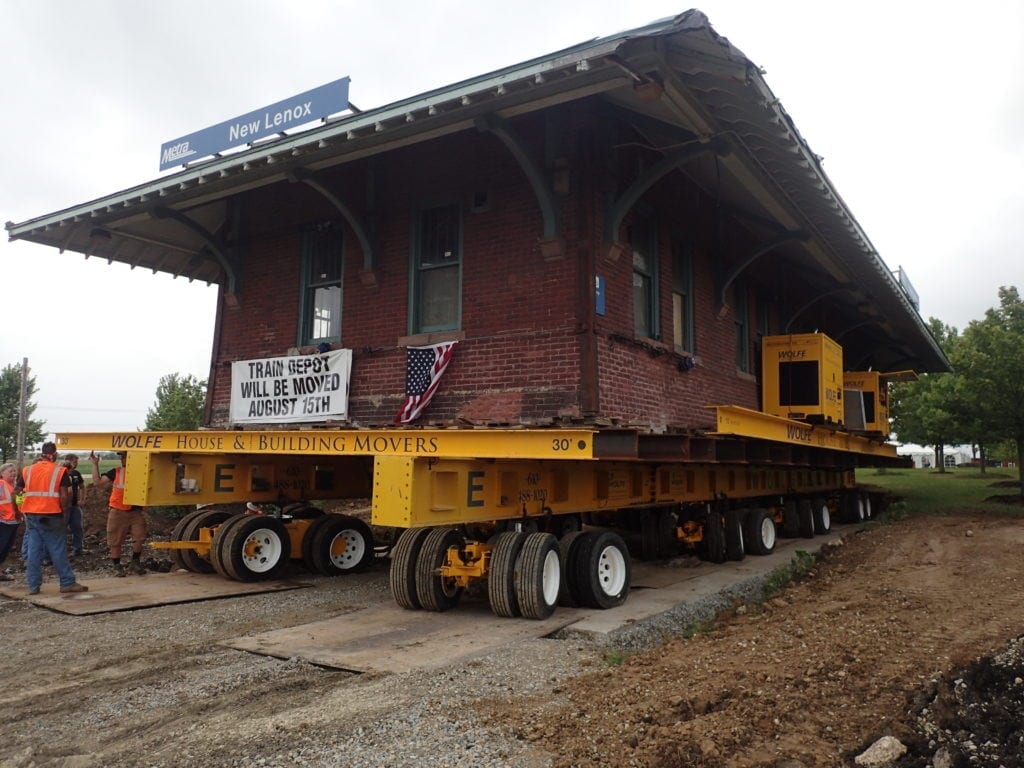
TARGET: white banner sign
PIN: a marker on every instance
(291, 389)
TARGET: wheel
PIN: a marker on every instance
(790, 519)
(402, 575)
(341, 544)
(538, 576)
(734, 546)
(207, 518)
(307, 544)
(822, 517)
(217, 548)
(568, 590)
(759, 532)
(177, 535)
(658, 534)
(805, 516)
(602, 569)
(256, 548)
(713, 538)
(867, 506)
(434, 592)
(852, 508)
(501, 576)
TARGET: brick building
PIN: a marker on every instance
(607, 232)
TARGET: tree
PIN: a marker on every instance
(179, 404)
(928, 411)
(10, 400)
(992, 361)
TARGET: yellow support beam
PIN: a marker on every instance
(439, 443)
(743, 422)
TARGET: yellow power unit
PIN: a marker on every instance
(803, 378)
(867, 399)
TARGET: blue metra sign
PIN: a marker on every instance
(297, 110)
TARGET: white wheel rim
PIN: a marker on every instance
(768, 533)
(860, 510)
(867, 507)
(611, 570)
(826, 518)
(551, 577)
(347, 549)
(261, 550)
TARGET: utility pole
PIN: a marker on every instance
(22, 414)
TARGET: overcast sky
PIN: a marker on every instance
(917, 109)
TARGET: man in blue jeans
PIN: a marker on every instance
(46, 492)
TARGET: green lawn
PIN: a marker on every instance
(925, 491)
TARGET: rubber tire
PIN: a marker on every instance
(207, 518)
(538, 576)
(822, 517)
(805, 516)
(851, 508)
(759, 532)
(217, 549)
(563, 525)
(233, 552)
(431, 592)
(402, 574)
(657, 535)
(602, 570)
(351, 559)
(178, 532)
(568, 590)
(307, 544)
(868, 506)
(790, 519)
(735, 548)
(501, 576)
(713, 538)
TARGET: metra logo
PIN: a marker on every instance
(176, 152)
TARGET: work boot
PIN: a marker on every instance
(120, 569)
(34, 591)
(76, 587)
(137, 568)
(6, 577)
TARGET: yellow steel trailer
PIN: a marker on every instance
(537, 513)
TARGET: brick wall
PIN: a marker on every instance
(531, 350)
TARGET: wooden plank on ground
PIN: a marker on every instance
(386, 638)
(131, 592)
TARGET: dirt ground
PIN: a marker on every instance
(891, 633)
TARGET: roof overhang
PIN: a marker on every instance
(677, 73)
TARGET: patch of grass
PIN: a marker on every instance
(697, 628)
(614, 658)
(803, 561)
(926, 492)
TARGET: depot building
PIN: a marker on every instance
(602, 235)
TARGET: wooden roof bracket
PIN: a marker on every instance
(368, 274)
(740, 267)
(227, 263)
(551, 244)
(645, 181)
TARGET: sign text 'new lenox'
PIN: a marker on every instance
(320, 102)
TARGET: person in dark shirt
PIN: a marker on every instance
(75, 510)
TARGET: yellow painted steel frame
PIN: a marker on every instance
(296, 532)
(474, 565)
(743, 422)
(410, 492)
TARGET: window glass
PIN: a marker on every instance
(643, 239)
(682, 297)
(438, 269)
(321, 289)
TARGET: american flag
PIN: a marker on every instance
(424, 367)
